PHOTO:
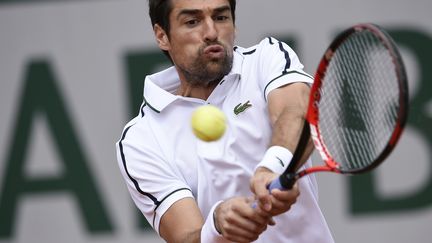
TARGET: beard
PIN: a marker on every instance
(204, 71)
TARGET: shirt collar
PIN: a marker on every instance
(237, 63)
(160, 88)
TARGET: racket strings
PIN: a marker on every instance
(359, 103)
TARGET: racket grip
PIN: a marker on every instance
(283, 182)
(275, 184)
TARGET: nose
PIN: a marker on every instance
(210, 31)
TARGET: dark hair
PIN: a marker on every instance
(159, 11)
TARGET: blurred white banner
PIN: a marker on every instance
(70, 78)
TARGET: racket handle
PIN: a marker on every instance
(275, 184)
(283, 182)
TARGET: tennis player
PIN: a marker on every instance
(193, 191)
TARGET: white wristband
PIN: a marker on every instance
(276, 159)
(208, 231)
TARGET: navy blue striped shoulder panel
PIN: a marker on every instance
(273, 41)
(285, 52)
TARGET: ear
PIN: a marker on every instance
(161, 38)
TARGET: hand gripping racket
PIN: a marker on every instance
(358, 105)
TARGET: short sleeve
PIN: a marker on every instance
(152, 183)
(278, 65)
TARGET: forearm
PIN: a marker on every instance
(287, 126)
(287, 110)
(192, 237)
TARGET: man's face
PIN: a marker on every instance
(201, 39)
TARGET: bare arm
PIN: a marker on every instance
(287, 110)
(235, 219)
(182, 222)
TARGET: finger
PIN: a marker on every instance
(286, 195)
(263, 195)
(256, 215)
(239, 228)
(260, 212)
(280, 207)
(244, 227)
(241, 239)
(283, 197)
(259, 183)
(265, 202)
(238, 234)
(283, 200)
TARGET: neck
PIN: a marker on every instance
(195, 91)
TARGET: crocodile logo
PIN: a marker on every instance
(241, 107)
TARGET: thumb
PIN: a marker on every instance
(265, 201)
(259, 183)
(263, 196)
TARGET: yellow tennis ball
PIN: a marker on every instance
(208, 123)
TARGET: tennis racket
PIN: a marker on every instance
(358, 105)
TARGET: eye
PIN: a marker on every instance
(192, 22)
(221, 18)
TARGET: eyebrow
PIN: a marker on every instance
(198, 11)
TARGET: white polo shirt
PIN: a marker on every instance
(162, 161)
